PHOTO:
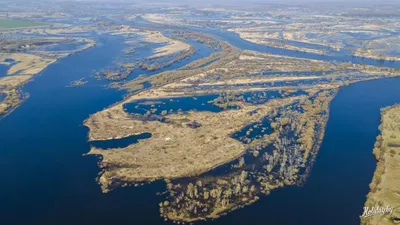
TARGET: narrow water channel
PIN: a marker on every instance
(235, 40)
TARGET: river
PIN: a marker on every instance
(47, 181)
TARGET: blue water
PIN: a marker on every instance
(2, 97)
(336, 190)
(201, 51)
(3, 70)
(46, 181)
(119, 143)
(257, 96)
(183, 104)
(255, 131)
(339, 57)
(9, 60)
(238, 42)
(302, 44)
(65, 46)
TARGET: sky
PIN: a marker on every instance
(361, 2)
(269, 1)
(351, 3)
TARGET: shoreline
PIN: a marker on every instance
(12, 81)
(385, 182)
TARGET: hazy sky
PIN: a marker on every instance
(352, 3)
(361, 2)
(269, 1)
(358, 3)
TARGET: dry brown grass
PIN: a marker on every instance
(386, 181)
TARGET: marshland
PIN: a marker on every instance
(222, 114)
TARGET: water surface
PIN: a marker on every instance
(336, 190)
(46, 181)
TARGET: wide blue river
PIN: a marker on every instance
(47, 181)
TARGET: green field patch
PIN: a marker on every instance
(10, 23)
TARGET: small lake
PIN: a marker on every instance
(182, 104)
(120, 143)
(3, 70)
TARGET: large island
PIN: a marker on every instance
(382, 205)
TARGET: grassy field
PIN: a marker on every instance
(384, 188)
(7, 23)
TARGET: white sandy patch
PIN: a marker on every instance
(172, 46)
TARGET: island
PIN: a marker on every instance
(384, 188)
(258, 115)
(26, 57)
